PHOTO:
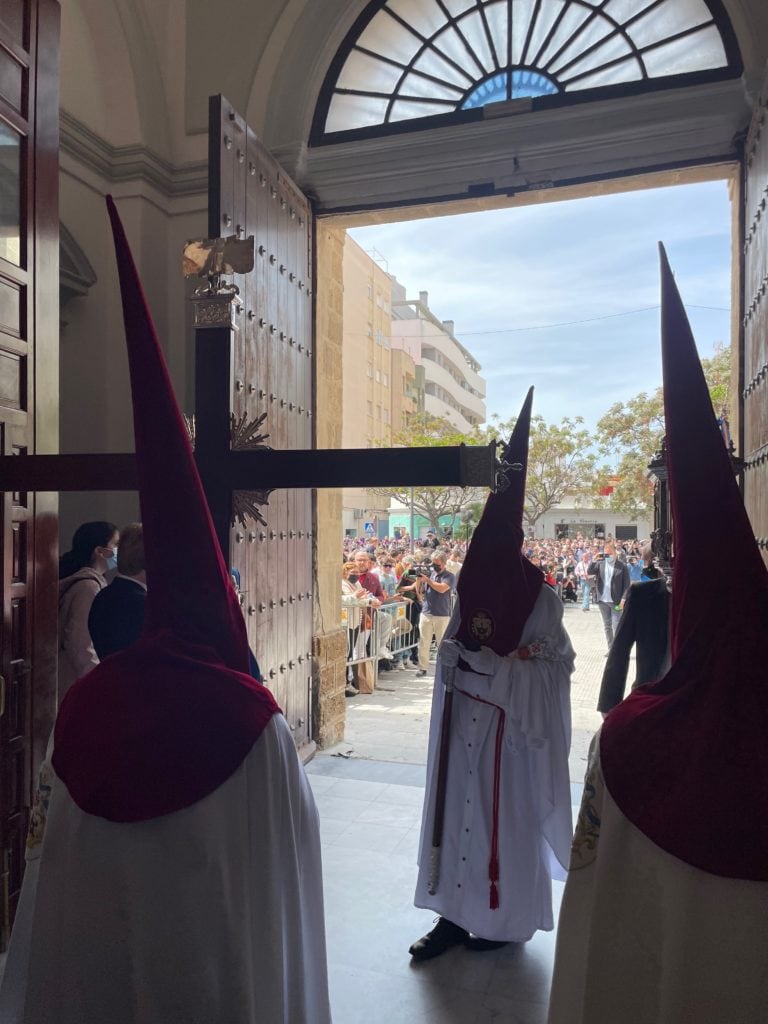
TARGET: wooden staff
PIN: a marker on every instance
(442, 779)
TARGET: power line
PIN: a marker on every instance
(538, 327)
(573, 323)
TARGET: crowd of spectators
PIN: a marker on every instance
(382, 574)
(563, 561)
(383, 581)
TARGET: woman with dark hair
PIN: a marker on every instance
(81, 577)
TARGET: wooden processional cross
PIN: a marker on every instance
(255, 383)
(267, 538)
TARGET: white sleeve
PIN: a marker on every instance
(76, 640)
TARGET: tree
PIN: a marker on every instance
(424, 430)
(560, 463)
(632, 432)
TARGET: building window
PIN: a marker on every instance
(386, 415)
(386, 380)
(370, 291)
(378, 412)
(370, 408)
(369, 371)
(378, 376)
(379, 338)
(370, 330)
(426, 58)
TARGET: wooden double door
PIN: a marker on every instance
(29, 31)
(751, 391)
(270, 373)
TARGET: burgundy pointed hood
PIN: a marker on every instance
(686, 759)
(498, 585)
(160, 725)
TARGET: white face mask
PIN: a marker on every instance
(112, 560)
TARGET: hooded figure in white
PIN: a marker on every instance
(174, 872)
(665, 913)
(497, 813)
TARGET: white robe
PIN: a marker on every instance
(535, 820)
(644, 938)
(211, 914)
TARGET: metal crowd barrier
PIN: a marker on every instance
(369, 633)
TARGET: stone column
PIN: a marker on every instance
(329, 644)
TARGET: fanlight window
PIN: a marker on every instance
(409, 59)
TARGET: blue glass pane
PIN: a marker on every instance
(494, 90)
(531, 83)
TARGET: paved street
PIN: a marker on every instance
(392, 723)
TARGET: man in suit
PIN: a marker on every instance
(644, 622)
(612, 583)
(117, 612)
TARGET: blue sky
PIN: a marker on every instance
(508, 271)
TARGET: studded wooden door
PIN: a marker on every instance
(29, 32)
(754, 383)
(272, 373)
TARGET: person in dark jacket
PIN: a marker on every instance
(644, 622)
(117, 612)
(611, 583)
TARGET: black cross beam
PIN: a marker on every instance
(460, 466)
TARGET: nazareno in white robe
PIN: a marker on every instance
(644, 938)
(535, 823)
(211, 914)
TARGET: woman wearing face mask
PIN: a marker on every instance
(81, 577)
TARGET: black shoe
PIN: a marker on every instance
(350, 690)
(421, 672)
(444, 935)
(474, 942)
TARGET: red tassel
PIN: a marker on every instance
(494, 897)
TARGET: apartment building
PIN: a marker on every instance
(379, 384)
(398, 358)
(452, 385)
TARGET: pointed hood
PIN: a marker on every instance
(686, 758)
(189, 590)
(162, 724)
(497, 585)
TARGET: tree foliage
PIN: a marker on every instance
(632, 432)
(424, 430)
(561, 463)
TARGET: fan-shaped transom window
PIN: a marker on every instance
(408, 59)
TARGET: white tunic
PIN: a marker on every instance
(644, 938)
(535, 801)
(211, 914)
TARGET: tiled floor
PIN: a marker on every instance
(369, 791)
(370, 813)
